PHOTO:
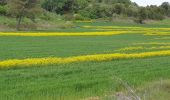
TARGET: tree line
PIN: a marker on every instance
(83, 9)
(107, 8)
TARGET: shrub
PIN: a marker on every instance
(138, 21)
(3, 10)
(80, 17)
(88, 12)
(50, 16)
(68, 16)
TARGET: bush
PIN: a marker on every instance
(138, 21)
(89, 13)
(68, 16)
(3, 10)
(80, 17)
(48, 16)
(3, 2)
(96, 11)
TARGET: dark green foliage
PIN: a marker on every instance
(3, 10)
(150, 12)
(142, 15)
(119, 8)
(85, 9)
(113, 1)
(55, 5)
(166, 8)
(95, 9)
(3, 7)
(155, 12)
(64, 6)
(131, 11)
(3, 2)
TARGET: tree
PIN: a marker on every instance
(113, 1)
(166, 7)
(119, 8)
(23, 8)
(3, 2)
(64, 6)
(155, 12)
(142, 15)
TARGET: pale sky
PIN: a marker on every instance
(149, 2)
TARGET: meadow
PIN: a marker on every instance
(94, 61)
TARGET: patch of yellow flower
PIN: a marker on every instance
(86, 58)
(153, 43)
(61, 33)
(160, 47)
(162, 38)
(143, 48)
(104, 30)
(158, 33)
(139, 30)
(131, 48)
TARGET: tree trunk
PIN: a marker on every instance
(21, 15)
(19, 19)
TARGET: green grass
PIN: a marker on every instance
(80, 80)
(31, 47)
(51, 22)
(26, 47)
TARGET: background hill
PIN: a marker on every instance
(54, 14)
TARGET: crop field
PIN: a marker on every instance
(95, 61)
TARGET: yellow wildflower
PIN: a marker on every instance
(62, 33)
(100, 57)
(131, 48)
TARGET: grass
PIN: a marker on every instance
(76, 81)
(51, 22)
(80, 80)
(31, 47)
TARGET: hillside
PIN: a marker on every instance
(57, 14)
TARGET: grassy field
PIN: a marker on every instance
(149, 77)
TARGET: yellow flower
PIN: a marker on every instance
(153, 43)
(131, 48)
(62, 33)
(100, 57)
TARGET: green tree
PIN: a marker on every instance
(155, 12)
(3, 2)
(142, 15)
(64, 6)
(113, 1)
(23, 8)
(119, 8)
(166, 7)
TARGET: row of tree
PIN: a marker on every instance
(83, 9)
(107, 8)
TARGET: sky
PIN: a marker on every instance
(149, 2)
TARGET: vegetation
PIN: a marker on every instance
(90, 79)
(23, 8)
(106, 9)
(84, 50)
(71, 10)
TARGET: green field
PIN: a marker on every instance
(150, 77)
